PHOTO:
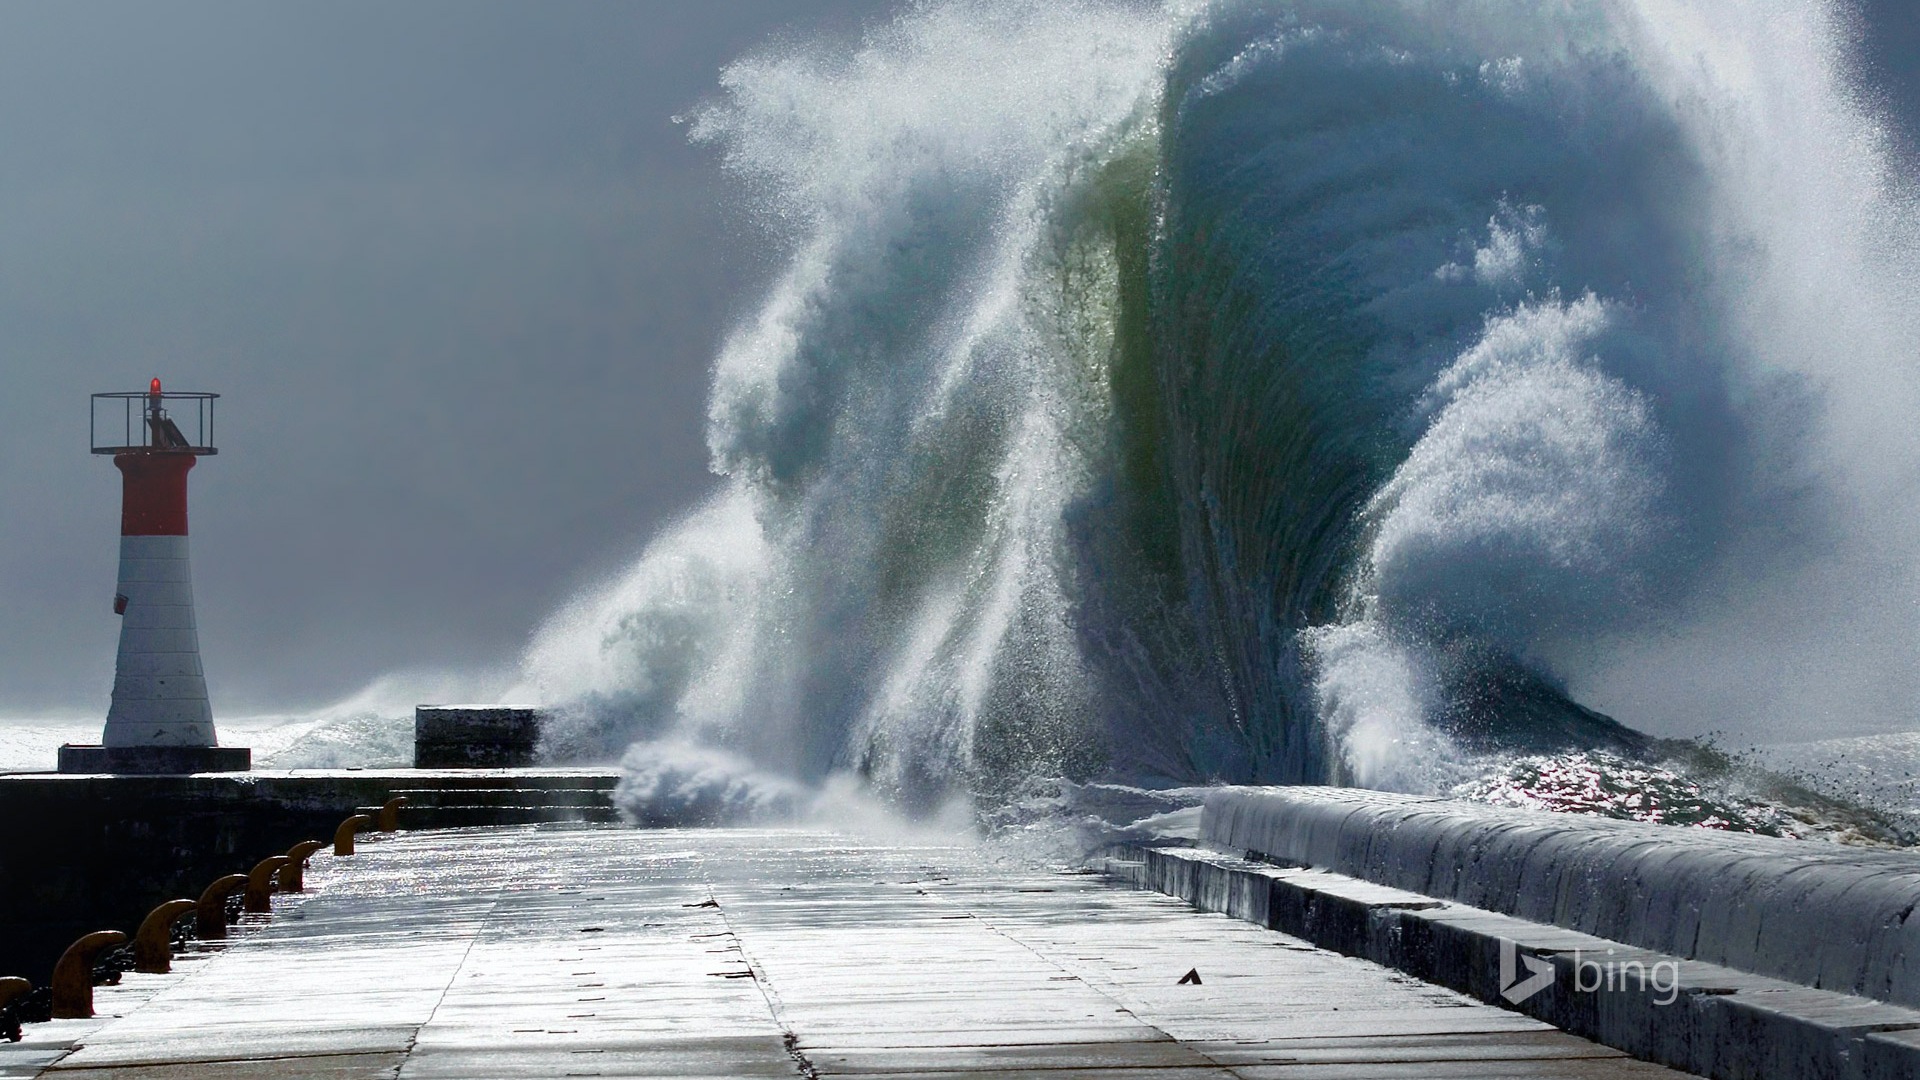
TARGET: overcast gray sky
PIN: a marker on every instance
(457, 273)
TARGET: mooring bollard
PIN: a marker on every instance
(390, 813)
(153, 942)
(11, 987)
(343, 836)
(210, 919)
(293, 876)
(73, 975)
(260, 884)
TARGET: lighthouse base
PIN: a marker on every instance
(154, 760)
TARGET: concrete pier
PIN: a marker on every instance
(594, 951)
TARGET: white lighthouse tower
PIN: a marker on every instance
(160, 720)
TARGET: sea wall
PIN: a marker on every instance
(84, 853)
(1703, 1018)
(1819, 915)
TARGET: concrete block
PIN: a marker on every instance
(154, 760)
(475, 736)
(1891, 1055)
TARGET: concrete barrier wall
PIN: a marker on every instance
(1817, 914)
(83, 853)
(1700, 1017)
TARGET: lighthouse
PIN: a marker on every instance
(160, 720)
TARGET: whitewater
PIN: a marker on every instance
(1283, 392)
(1382, 392)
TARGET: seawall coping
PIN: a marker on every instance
(1715, 1020)
(1814, 914)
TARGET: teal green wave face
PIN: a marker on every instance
(1354, 209)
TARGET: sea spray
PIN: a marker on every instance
(1284, 392)
(659, 648)
(904, 426)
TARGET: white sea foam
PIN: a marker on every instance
(1577, 333)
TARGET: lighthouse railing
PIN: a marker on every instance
(118, 422)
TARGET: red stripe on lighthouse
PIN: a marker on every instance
(153, 493)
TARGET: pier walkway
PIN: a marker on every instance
(581, 950)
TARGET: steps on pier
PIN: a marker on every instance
(463, 802)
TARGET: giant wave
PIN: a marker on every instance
(1284, 392)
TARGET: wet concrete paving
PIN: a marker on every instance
(602, 951)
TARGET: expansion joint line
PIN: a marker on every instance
(486, 921)
(1118, 1005)
(768, 993)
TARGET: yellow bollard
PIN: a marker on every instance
(260, 884)
(293, 876)
(12, 987)
(390, 813)
(343, 836)
(153, 942)
(73, 975)
(211, 919)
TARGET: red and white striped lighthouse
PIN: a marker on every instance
(160, 720)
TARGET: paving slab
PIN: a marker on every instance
(582, 950)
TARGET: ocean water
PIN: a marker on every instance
(322, 740)
(372, 728)
(1372, 392)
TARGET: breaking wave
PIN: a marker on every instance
(1282, 392)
